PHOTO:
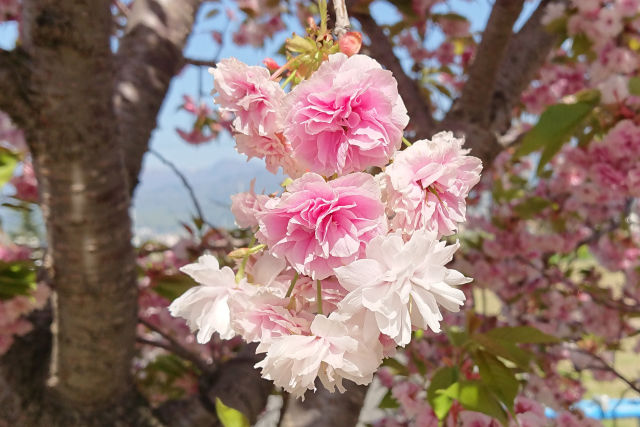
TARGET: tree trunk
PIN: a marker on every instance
(85, 203)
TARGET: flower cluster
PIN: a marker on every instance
(347, 264)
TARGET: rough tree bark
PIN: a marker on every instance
(84, 203)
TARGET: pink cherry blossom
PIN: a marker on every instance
(205, 306)
(245, 206)
(400, 285)
(329, 353)
(346, 117)
(426, 185)
(248, 92)
(318, 226)
(263, 317)
(273, 148)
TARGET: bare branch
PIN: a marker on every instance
(200, 62)
(184, 181)
(174, 347)
(474, 102)
(150, 54)
(14, 74)
(604, 366)
(123, 8)
(381, 49)
(342, 18)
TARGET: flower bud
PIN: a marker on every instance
(350, 43)
(271, 64)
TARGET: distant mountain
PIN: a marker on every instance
(161, 200)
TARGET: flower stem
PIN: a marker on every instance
(240, 273)
(293, 283)
(319, 296)
(406, 142)
(289, 78)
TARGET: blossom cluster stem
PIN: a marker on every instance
(406, 142)
(319, 295)
(288, 79)
(293, 284)
(243, 265)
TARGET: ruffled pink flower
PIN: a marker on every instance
(274, 149)
(262, 317)
(245, 206)
(330, 353)
(318, 226)
(205, 306)
(426, 185)
(248, 92)
(346, 117)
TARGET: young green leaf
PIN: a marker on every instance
(230, 417)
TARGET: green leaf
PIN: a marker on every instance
(300, 44)
(475, 396)
(230, 417)
(397, 367)
(531, 206)
(8, 162)
(171, 287)
(457, 336)
(522, 334)
(388, 402)
(442, 379)
(16, 278)
(634, 86)
(555, 127)
(499, 378)
(505, 349)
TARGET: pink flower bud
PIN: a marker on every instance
(271, 64)
(350, 43)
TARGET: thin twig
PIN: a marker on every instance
(200, 62)
(123, 8)
(174, 347)
(634, 385)
(185, 182)
(342, 18)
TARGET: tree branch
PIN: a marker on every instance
(474, 102)
(604, 366)
(381, 49)
(342, 18)
(200, 62)
(236, 382)
(326, 409)
(14, 75)
(526, 53)
(185, 183)
(173, 346)
(150, 54)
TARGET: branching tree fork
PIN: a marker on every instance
(88, 114)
